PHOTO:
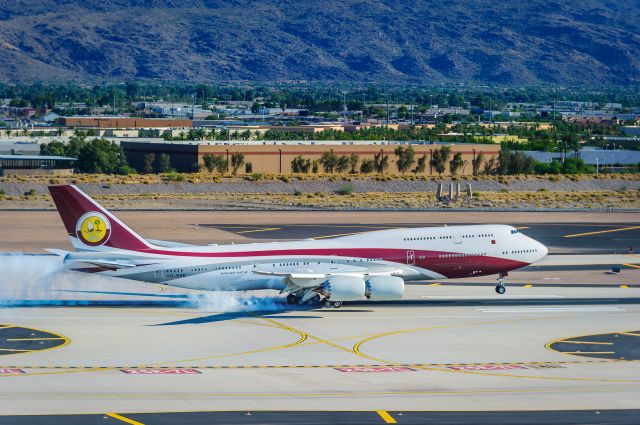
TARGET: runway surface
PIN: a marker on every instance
(561, 346)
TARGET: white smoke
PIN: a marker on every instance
(31, 277)
(235, 302)
(42, 280)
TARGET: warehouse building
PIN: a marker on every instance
(276, 157)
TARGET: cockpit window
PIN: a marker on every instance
(514, 231)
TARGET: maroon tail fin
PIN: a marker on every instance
(91, 226)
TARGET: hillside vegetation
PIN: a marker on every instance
(518, 42)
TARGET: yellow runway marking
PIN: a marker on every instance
(434, 284)
(528, 285)
(631, 265)
(628, 333)
(324, 341)
(585, 342)
(123, 419)
(624, 286)
(335, 236)
(386, 417)
(356, 349)
(621, 229)
(268, 229)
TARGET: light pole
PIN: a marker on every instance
(597, 164)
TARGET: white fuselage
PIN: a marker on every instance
(412, 254)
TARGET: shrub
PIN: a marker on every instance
(542, 189)
(297, 192)
(284, 178)
(31, 192)
(173, 176)
(2, 192)
(254, 177)
(346, 189)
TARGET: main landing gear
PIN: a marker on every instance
(500, 289)
(334, 304)
(297, 300)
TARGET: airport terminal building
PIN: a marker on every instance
(276, 156)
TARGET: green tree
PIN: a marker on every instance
(300, 165)
(421, 166)
(439, 159)
(380, 162)
(476, 163)
(164, 163)
(342, 164)
(237, 159)
(353, 162)
(456, 163)
(102, 156)
(405, 158)
(329, 161)
(367, 166)
(149, 159)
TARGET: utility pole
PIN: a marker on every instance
(387, 111)
(364, 104)
(344, 105)
(114, 103)
(193, 107)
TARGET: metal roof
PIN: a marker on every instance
(44, 157)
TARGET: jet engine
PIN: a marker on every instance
(384, 288)
(343, 288)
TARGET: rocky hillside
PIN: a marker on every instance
(518, 42)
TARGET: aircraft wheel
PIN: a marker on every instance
(500, 289)
(292, 299)
(315, 300)
(337, 304)
(328, 303)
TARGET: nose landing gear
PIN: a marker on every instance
(500, 289)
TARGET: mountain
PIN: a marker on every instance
(591, 42)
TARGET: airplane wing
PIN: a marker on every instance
(168, 244)
(106, 260)
(312, 280)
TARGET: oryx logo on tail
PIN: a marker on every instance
(93, 228)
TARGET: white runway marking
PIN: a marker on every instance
(551, 310)
(489, 297)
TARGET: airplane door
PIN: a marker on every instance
(411, 258)
(158, 274)
(456, 236)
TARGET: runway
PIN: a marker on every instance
(561, 346)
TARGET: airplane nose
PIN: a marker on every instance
(543, 250)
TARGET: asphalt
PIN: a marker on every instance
(565, 417)
(561, 238)
(450, 352)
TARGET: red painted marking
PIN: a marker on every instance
(160, 371)
(12, 371)
(375, 369)
(488, 367)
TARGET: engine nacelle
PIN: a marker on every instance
(384, 288)
(343, 288)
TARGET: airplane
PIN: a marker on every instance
(373, 265)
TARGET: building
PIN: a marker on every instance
(124, 122)
(276, 156)
(35, 164)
